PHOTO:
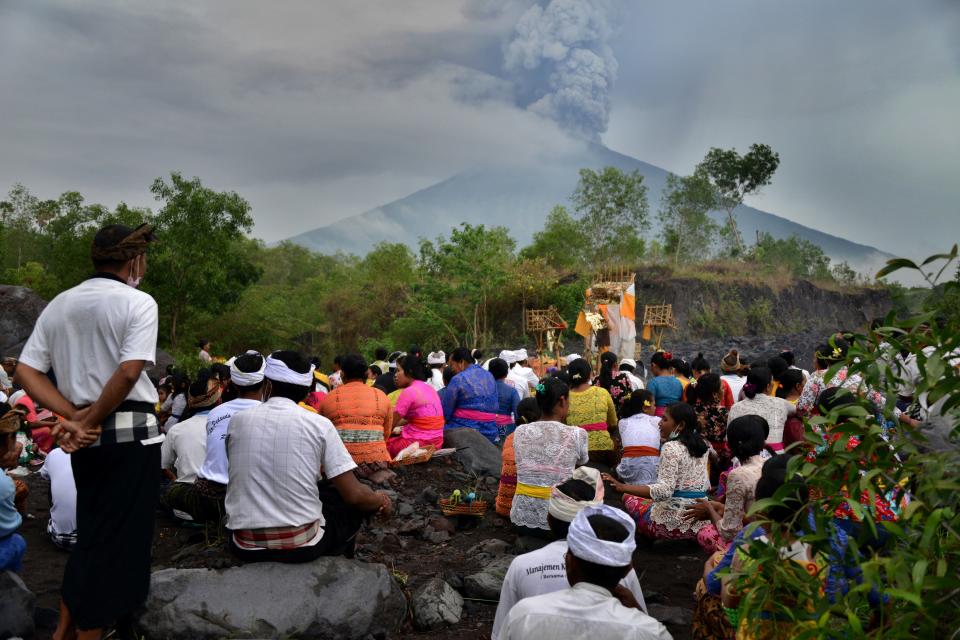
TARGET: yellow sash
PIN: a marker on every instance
(533, 491)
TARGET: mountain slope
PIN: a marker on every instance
(520, 199)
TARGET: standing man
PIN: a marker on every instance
(98, 336)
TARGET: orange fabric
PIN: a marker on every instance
(363, 418)
(647, 332)
(583, 327)
(508, 479)
(628, 303)
(640, 452)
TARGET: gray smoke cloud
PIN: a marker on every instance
(562, 65)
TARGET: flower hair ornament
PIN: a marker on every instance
(540, 388)
(647, 403)
(749, 388)
(668, 355)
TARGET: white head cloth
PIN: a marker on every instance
(437, 357)
(520, 354)
(247, 378)
(3, 397)
(629, 362)
(563, 507)
(393, 363)
(509, 356)
(15, 396)
(278, 371)
(573, 356)
(585, 545)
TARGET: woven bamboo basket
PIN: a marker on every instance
(477, 508)
(423, 455)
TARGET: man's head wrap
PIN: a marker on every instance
(208, 398)
(521, 355)
(278, 371)
(573, 356)
(584, 544)
(125, 244)
(629, 362)
(10, 422)
(563, 507)
(509, 356)
(16, 396)
(247, 378)
(437, 357)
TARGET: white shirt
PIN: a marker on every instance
(635, 382)
(277, 453)
(436, 379)
(204, 356)
(519, 383)
(86, 332)
(58, 469)
(736, 384)
(581, 611)
(543, 571)
(214, 465)
(527, 374)
(185, 447)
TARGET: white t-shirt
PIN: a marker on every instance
(635, 382)
(736, 384)
(86, 332)
(185, 447)
(204, 357)
(58, 469)
(277, 452)
(543, 571)
(518, 382)
(581, 611)
(218, 422)
(436, 379)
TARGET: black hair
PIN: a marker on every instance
(690, 435)
(772, 478)
(394, 355)
(661, 360)
(579, 371)
(461, 354)
(834, 398)
(380, 353)
(166, 386)
(354, 367)
(448, 374)
(831, 352)
(202, 343)
(297, 363)
(528, 411)
(198, 387)
(180, 383)
(553, 389)
(605, 528)
(706, 390)
(789, 379)
(579, 491)
(248, 363)
(498, 368)
(683, 367)
(476, 354)
(700, 363)
(562, 375)
(375, 370)
(758, 379)
(608, 360)
(635, 403)
(746, 436)
(414, 351)
(413, 367)
(221, 371)
(788, 357)
(315, 361)
(777, 366)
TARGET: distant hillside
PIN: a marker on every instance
(520, 199)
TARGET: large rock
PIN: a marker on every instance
(475, 452)
(487, 583)
(436, 604)
(16, 607)
(327, 598)
(21, 308)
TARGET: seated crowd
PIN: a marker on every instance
(288, 459)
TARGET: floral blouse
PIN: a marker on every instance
(620, 389)
(816, 384)
(741, 494)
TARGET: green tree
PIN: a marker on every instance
(734, 177)
(563, 242)
(685, 226)
(803, 258)
(614, 212)
(202, 262)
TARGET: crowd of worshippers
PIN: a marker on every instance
(288, 459)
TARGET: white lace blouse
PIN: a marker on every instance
(679, 471)
(546, 454)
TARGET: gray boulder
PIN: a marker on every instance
(16, 607)
(436, 604)
(476, 453)
(21, 308)
(674, 616)
(327, 598)
(487, 583)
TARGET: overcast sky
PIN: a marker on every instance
(317, 111)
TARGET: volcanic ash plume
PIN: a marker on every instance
(562, 65)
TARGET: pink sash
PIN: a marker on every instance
(473, 414)
(594, 426)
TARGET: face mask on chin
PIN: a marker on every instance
(134, 281)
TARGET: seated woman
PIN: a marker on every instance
(746, 438)
(664, 386)
(363, 418)
(706, 396)
(12, 544)
(546, 453)
(592, 409)
(659, 508)
(318, 390)
(791, 386)
(470, 398)
(418, 410)
(507, 397)
(640, 434)
(527, 411)
(617, 384)
(758, 401)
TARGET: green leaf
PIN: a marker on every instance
(919, 571)
(910, 597)
(895, 265)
